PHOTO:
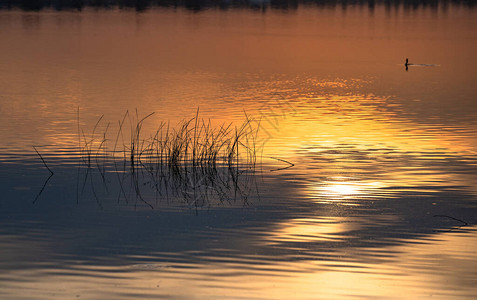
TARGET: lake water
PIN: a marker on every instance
(364, 184)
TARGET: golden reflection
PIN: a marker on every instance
(310, 229)
(357, 145)
(168, 63)
(443, 265)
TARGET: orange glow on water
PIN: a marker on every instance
(332, 98)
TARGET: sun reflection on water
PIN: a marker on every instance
(343, 190)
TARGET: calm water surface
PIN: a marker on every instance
(381, 200)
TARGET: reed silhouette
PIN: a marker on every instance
(193, 161)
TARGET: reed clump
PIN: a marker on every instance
(193, 158)
(192, 143)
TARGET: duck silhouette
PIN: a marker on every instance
(407, 64)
